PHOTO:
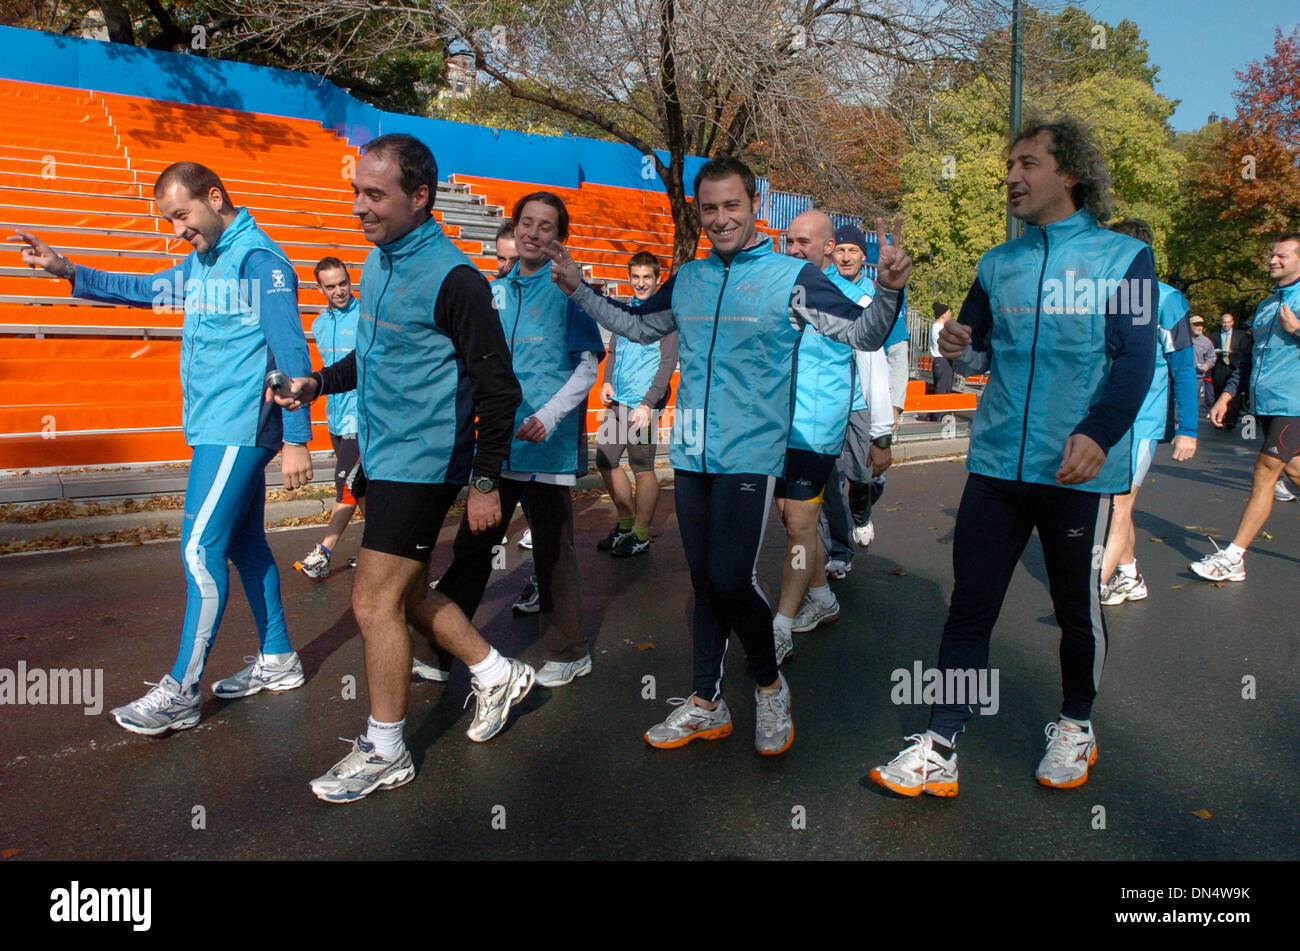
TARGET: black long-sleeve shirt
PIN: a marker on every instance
(464, 311)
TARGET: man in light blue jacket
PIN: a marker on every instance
(1063, 320)
(739, 313)
(239, 295)
(1273, 369)
(335, 332)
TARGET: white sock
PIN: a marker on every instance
(278, 660)
(387, 737)
(821, 594)
(1130, 570)
(1085, 725)
(783, 624)
(1235, 552)
(492, 669)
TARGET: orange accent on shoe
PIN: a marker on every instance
(788, 741)
(1073, 783)
(717, 733)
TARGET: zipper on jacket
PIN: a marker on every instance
(1033, 354)
(708, 380)
(361, 402)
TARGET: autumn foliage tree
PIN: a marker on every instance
(1243, 185)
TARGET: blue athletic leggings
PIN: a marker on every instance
(225, 504)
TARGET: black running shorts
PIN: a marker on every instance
(404, 518)
(805, 475)
(1281, 436)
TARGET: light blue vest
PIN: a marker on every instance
(224, 354)
(824, 385)
(410, 384)
(1049, 361)
(1153, 418)
(635, 366)
(736, 346)
(1275, 371)
(336, 336)
(534, 314)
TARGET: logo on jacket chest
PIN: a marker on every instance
(1077, 294)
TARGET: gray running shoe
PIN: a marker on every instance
(1219, 566)
(1122, 588)
(163, 708)
(361, 772)
(316, 565)
(261, 675)
(919, 768)
(555, 673)
(813, 613)
(1071, 749)
(494, 702)
(773, 728)
(1281, 493)
(690, 722)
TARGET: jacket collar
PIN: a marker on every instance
(541, 274)
(414, 241)
(242, 224)
(1076, 224)
(760, 248)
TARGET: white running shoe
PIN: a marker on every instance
(361, 772)
(526, 540)
(838, 570)
(262, 674)
(773, 725)
(494, 702)
(1071, 749)
(919, 768)
(555, 673)
(813, 613)
(864, 535)
(689, 722)
(1219, 566)
(1281, 493)
(784, 643)
(1122, 588)
(428, 673)
(163, 708)
(315, 566)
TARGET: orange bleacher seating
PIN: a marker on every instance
(78, 167)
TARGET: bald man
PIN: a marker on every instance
(825, 381)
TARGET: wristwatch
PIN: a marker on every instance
(484, 484)
(883, 442)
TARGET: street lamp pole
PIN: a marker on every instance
(1014, 227)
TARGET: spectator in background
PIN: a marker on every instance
(635, 390)
(940, 366)
(1233, 346)
(1205, 358)
(507, 252)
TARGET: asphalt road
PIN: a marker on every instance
(571, 776)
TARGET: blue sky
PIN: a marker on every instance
(1198, 43)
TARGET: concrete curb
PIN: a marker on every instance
(173, 482)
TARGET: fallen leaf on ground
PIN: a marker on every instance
(644, 646)
(1203, 814)
(9, 853)
(1175, 586)
(1267, 535)
(898, 571)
